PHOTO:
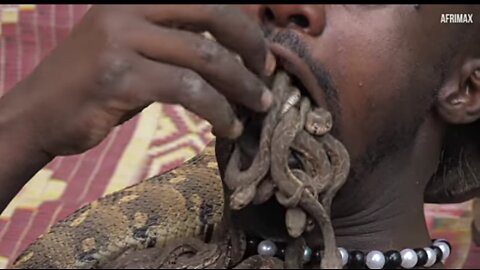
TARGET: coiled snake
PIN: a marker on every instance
(180, 219)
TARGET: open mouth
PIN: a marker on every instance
(272, 213)
(301, 78)
(250, 138)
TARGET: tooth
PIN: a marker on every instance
(291, 101)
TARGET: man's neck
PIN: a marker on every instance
(385, 210)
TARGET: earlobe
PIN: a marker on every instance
(459, 98)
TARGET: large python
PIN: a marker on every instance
(158, 214)
(187, 201)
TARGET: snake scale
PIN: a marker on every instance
(180, 219)
(187, 201)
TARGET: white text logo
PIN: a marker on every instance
(456, 18)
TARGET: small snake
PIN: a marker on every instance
(179, 218)
(244, 183)
(325, 160)
(290, 188)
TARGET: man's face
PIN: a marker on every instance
(375, 67)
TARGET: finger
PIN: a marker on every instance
(206, 57)
(176, 85)
(228, 24)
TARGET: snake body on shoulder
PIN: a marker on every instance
(180, 219)
(184, 202)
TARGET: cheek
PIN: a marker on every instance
(371, 78)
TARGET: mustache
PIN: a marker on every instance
(294, 42)
(290, 40)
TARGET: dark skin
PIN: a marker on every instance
(392, 120)
(73, 100)
(393, 76)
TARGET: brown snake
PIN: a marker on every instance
(244, 183)
(173, 211)
(298, 190)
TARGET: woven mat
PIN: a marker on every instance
(160, 138)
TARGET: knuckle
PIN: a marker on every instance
(211, 53)
(113, 68)
(191, 85)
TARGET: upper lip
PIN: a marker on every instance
(294, 65)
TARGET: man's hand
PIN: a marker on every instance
(119, 59)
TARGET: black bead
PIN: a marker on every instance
(393, 259)
(280, 250)
(356, 259)
(317, 256)
(422, 256)
(438, 253)
(252, 244)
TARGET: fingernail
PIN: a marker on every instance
(270, 63)
(208, 35)
(267, 99)
(236, 130)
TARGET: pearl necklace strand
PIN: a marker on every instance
(407, 258)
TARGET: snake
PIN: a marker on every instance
(181, 217)
(187, 201)
(244, 183)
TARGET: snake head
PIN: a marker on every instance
(242, 197)
(318, 122)
(295, 221)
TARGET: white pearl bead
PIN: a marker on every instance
(409, 258)
(267, 248)
(344, 255)
(440, 240)
(431, 257)
(375, 259)
(445, 249)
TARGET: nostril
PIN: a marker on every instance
(268, 15)
(299, 20)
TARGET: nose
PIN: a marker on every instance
(309, 19)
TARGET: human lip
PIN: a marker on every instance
(302, 76)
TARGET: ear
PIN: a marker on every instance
(459, 98)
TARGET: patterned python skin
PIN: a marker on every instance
(184, 202)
